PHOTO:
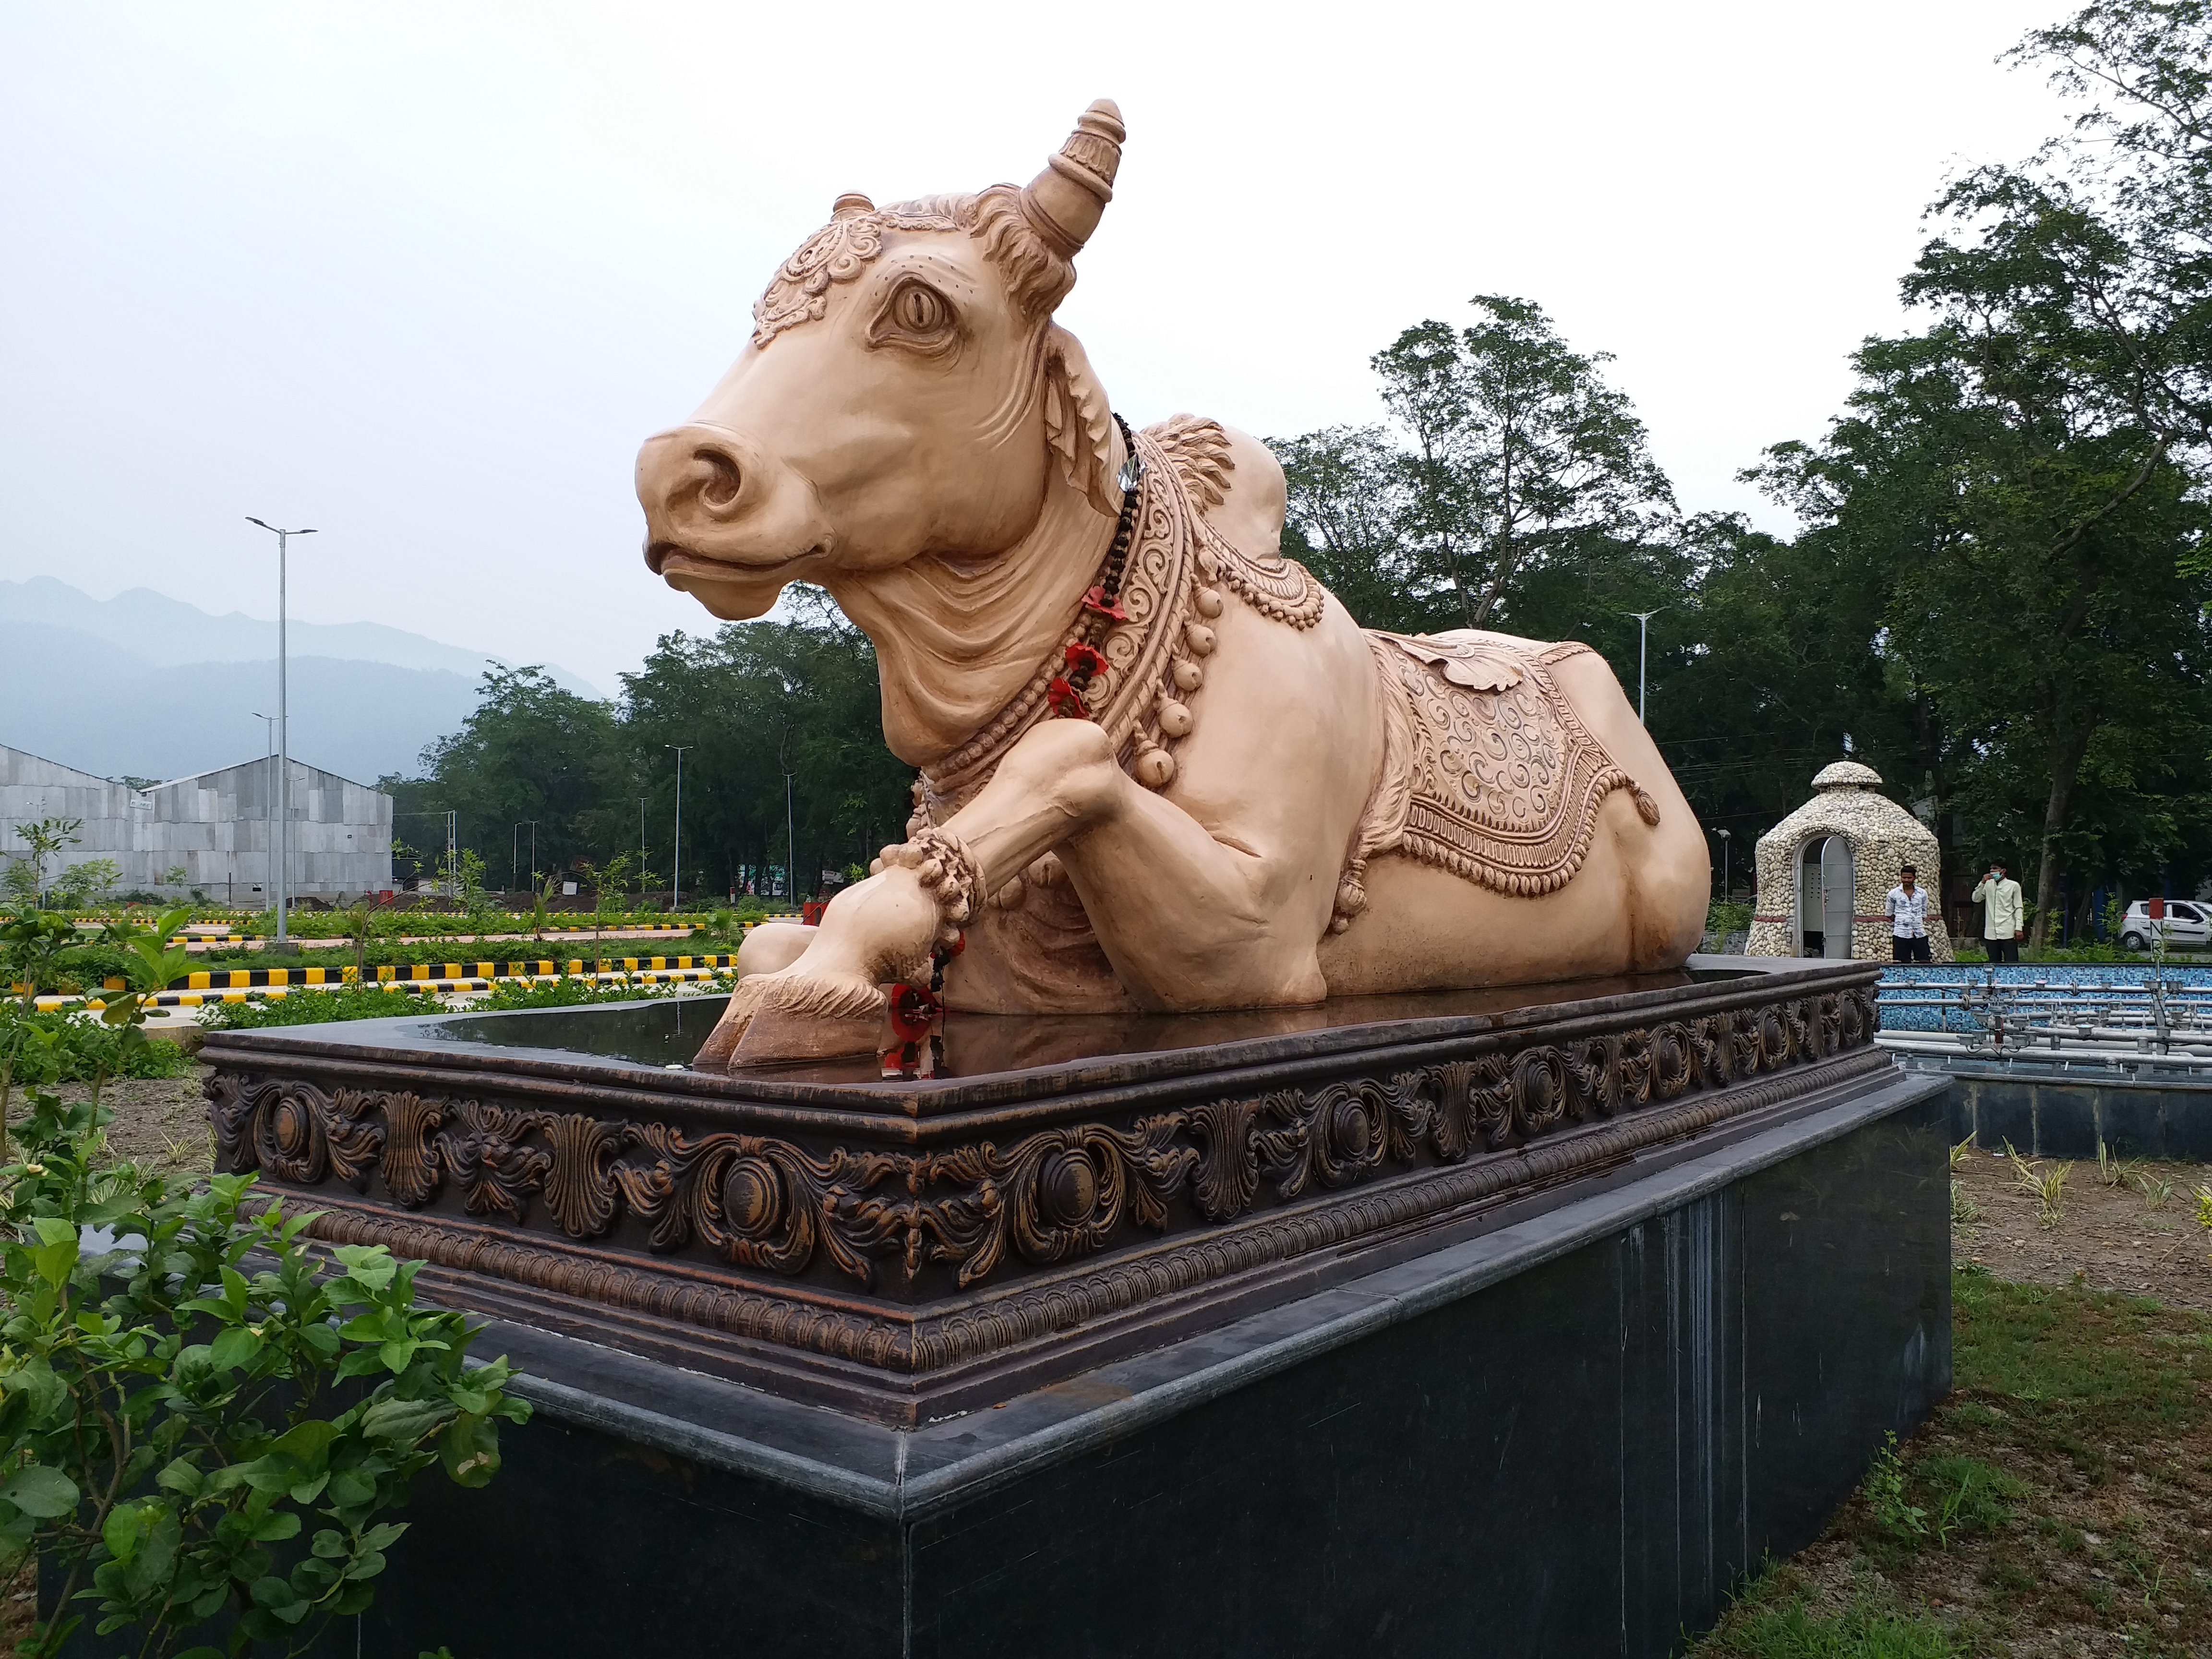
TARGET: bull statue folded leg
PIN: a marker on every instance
(1161, 767)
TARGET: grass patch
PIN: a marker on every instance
(1778, 1619)
(2057, 1502)
(2074, 1372)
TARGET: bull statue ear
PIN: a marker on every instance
(1078, 425)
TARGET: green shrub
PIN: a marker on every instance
(567, 993)
(316, 1007)
(76, 1047)
(183, 1385)
(1723, 917)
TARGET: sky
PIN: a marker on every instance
(422, 277)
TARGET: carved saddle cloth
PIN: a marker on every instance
(1487, 771)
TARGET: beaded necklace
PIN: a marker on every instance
(1102, 605)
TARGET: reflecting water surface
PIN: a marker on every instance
(669, 1031)
(665, 1032)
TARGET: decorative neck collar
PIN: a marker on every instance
(1136, 652)
(1117, 655)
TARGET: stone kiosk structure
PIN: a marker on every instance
(1825, 871)
(1256, 1171)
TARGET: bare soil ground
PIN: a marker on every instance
(160, 1122)
(2131, 1226)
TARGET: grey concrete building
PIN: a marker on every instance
(216, 826)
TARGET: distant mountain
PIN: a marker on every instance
(162, 632)
(359, 720)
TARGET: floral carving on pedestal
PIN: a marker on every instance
(768, 1204)
(486, 1149)
(293, 1130)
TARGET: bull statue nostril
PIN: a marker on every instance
(723, 480)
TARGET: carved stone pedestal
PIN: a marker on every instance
(1517, 1329)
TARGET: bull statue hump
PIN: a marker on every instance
(1160, 766)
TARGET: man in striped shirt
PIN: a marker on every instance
(1908, 917)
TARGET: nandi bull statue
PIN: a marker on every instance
(1161, 767)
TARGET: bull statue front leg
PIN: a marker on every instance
(1187, 919)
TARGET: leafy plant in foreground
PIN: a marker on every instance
(184, 1385)
(2048, 1185)
(1885, 1494)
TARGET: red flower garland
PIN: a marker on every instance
(1095, 599)
(914, 1010)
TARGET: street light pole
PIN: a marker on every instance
(513, 843)
(676, 880)
(1642, 653)
(514, 840)
(283, 736)
(1725, 890)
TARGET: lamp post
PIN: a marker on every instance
(1642, 653)
(1727, 894)
(676, 877)
(515, 839)
(283, 737)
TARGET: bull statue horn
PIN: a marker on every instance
(1066, 199)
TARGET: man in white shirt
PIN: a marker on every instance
(2004, 915)
(1908, 917)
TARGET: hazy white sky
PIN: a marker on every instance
(422, 277)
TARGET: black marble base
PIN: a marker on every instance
(1567, 1436)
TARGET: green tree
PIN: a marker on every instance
(27, 874)
(80, 883)
(2023, 479)
(1519, 455)
(1345, 521)
(1513, 488)
(532, 749)
(755, 703)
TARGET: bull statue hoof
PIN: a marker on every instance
(795, 1016)
(1160, 766)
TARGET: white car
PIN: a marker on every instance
(2188, 925)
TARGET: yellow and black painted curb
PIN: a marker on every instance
(244, 984)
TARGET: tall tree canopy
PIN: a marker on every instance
(1508, 463)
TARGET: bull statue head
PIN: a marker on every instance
(909, 429)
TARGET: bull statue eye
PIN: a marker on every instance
(917, 318)
(920, 310)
